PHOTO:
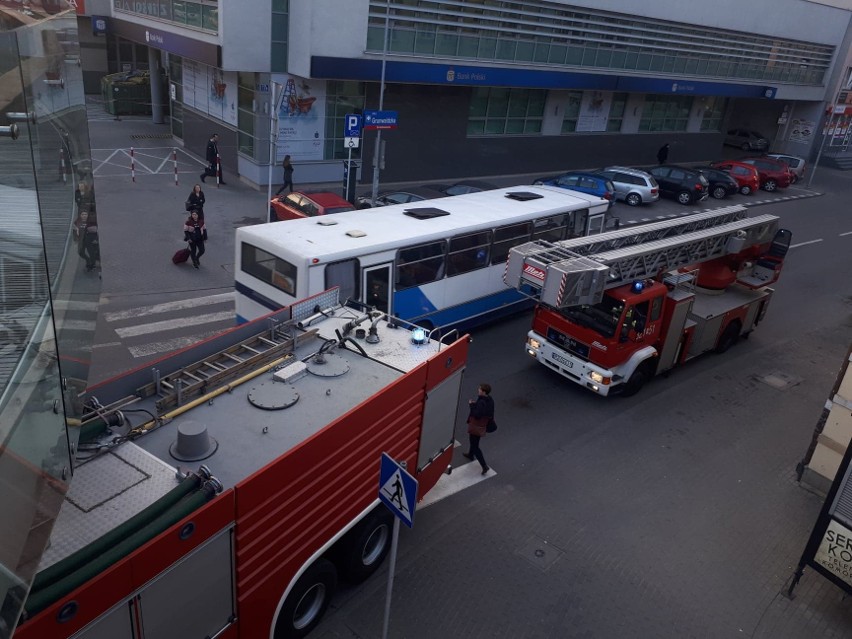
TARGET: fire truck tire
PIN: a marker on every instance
(307, 602)
(365, 546)
(637, 380)
(729, 336)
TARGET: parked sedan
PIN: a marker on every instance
(584, 182)
(414, 194)
(747, 140)
(296, 205)
(746, 175)
(466, 186)
(796, 164)
(685, 185)
(721, 184)
(774, 174)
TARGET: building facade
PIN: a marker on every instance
(483, 87)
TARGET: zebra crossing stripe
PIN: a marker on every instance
(166, 325)
(168, 307)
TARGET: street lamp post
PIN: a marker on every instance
(273, 140)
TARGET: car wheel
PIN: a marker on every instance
(633, 199)
(684, 197)
(719, 192)
(770, 186)
(745, 190)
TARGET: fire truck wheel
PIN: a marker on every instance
(637, 380)
(729, 337)
(306, 603)
(366, 546)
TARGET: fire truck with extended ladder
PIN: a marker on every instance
(618, 308)
(222, 491)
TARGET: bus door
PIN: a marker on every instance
(595, 223)
(376, 284)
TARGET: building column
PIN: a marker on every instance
(156, 75)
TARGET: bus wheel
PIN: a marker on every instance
(366, 546)
(637, 380)
(729, 337)
(307, 602)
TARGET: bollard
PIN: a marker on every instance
(62, 173)
(174, 158)
(132, 165)
(218, 170)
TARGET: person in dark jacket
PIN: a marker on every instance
(193, 232)
(88, 245)
(663, 154)
(212, 155)
(288, 174)
(195, 201)
(481, 412)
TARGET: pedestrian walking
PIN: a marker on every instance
(88, 244)
(481, 413)
(288, 174)
(84, 197)
(194, 232)
(663, 154)
(212, 155)
(195, 201)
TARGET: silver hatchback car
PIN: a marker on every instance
(796, 164)
(632, 185)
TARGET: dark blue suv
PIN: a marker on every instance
(584, 182)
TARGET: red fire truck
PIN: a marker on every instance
(222, 491)
(618, 308)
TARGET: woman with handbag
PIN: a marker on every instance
(193, 232)
(481, 414)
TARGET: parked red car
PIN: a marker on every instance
(746, 175)
(297, 205)
(773, 173)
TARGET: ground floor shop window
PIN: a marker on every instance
(713, 112)
(342, 97)
(665, 113)
(501, 111)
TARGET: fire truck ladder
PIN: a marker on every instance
(199, 378)
(575, 272)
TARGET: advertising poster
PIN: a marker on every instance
(802, 131)
(301, 118)
(210, 90)
(594, 111)
(835, 551)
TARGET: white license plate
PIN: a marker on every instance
(567, 363)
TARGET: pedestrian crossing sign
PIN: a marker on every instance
(397, 490)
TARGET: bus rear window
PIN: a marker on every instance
(268, 268)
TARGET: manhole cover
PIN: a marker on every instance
(779, 380)
(539, 553)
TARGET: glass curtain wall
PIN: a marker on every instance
(49, 287)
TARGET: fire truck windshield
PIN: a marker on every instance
(603, 317)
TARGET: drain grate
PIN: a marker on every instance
(539, 553)
(152, 136)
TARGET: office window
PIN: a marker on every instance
(501, 111)
(714, 111)
(665, 113)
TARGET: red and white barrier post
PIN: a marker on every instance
(132, 165)
(174, 159)
(62, 173)
(218, 170)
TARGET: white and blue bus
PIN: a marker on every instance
(436, 263)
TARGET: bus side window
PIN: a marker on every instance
(505, 237)
(468, 252)
(550, 228)
(420, 264)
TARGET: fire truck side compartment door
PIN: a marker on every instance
(115, 624)
(681, 302)
(439, 419)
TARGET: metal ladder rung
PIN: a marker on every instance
(253, 350)
(188, 374)
(268, 342)
(166, 384)
(214, 366)
(234, 357)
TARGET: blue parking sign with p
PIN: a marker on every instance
(352, 128)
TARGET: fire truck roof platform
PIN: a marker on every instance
(237, 427)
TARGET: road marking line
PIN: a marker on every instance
(75, 305)
(846, 233)
(805, 243)
(461, 478)
(180, 322)
(166, 307)
(154, 348)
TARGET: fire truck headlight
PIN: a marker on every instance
(600, 379)
(534, 343)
